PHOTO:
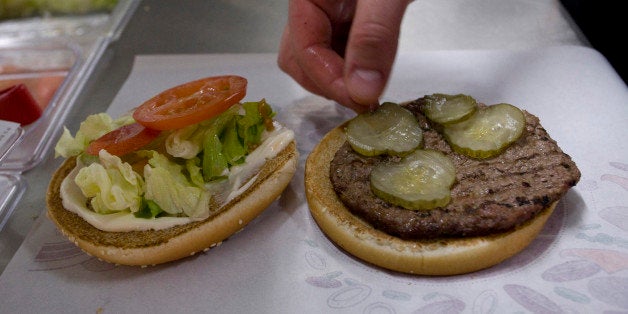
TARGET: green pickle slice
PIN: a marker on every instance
(419, 181)
(488, 132)
(446, 109)
(391, 129)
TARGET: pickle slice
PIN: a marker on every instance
(446, 109)
(420, 181)
(390, 129)
(488, 132)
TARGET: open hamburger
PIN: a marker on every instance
(178, 175)
(441, 185)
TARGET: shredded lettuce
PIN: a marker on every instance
(186, 142)
(231, 136)
(232, 145)
(214, 161)
(26, 8)
(194, 171)
(252, 124)
(182, 172)
(149, 209)
(92, 128)
(170, 189)
(112, 185)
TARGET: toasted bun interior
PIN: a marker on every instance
(431, 257)
(160, 246)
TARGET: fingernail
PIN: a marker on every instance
(365, 86)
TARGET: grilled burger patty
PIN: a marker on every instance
(490, 195)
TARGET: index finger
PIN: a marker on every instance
(311, 32)
(372, 47)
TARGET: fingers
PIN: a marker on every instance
(372, 47)
(287, 63)
(306, 54)
(315, 52)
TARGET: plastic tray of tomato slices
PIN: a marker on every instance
(44, 63)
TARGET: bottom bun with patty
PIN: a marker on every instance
(159, 246)
(448, 256)
(494, 208)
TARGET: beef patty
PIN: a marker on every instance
(490, 195)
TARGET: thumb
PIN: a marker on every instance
(372, 47)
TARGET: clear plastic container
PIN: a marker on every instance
(48, 70)
(12, 187)
(53, 57)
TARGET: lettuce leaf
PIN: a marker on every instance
(111, 185)
(252, 124)
(170, 189)
(232, 145)
(186, 142)
(149, 209)
(231, 136)
(182, 173)
(194, 171)
(92, 128)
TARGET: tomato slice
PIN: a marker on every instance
(191, 102)
(123, 140)
(17, 104)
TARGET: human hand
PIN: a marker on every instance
(342, 50)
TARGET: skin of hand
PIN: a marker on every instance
(342, 50)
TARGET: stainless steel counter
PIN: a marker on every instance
(239, 26)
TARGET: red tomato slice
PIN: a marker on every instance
(191, 102)
(123, 140)
(18, 105)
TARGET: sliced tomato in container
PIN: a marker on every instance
(18, 105)
(123, 140)
(191, 102)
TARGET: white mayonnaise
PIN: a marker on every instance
(240, 178)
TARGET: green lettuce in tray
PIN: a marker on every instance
(26, 8)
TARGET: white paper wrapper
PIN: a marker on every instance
(282, 263)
